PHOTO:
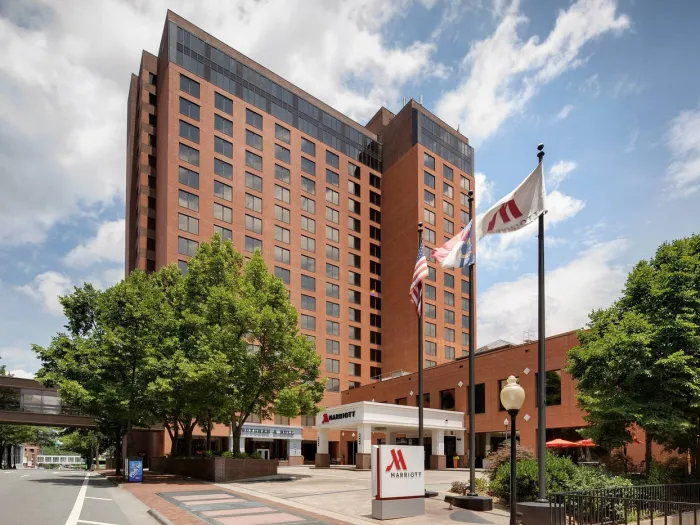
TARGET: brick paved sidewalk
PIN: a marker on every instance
(171, 505)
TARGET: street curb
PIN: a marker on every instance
(159, 517)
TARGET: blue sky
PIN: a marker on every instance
(610, 87)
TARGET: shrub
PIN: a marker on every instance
(458, 487)
(502, 455)
(208, 454)
(619, 463)
(482, 486)
(590, 478)
(227, 454)
(255, 455)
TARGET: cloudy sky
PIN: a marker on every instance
(607, 85)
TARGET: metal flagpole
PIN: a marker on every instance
(420, 353)
(472, 342)
(541, 365)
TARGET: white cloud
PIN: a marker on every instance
(504, 72)
(17, 359)
(22, 373)
(632, 140)
(625, 86)
(560, 171)
(591, 85)
(104, 279)
(564, 112)
(106, 245)
(592, 279)
(65, 70)
(483, 190)
(683, 143)
(45, 289)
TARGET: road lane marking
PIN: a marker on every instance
(78, 506)
(93, 497)
(25, 475)
(95, 522)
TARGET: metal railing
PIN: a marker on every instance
(660, 504)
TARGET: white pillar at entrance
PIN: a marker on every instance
(364, 439)
(230, 438)
(294, 447)
(438, 440)
(391, 438)
(241, 444)
(322, 442)
(488, 444)
(460, 442)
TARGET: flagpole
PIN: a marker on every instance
(472, 342)
(420, 353)
(541, 364)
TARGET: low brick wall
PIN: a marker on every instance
(216, 469)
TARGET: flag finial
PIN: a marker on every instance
(540, 152)
(420, 226)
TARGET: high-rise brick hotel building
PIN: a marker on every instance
(216, 143)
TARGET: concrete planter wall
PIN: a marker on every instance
(216, 469)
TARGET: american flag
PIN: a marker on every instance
(419, 275)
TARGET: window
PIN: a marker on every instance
(354, 206)
(333, 178)
(354, 224)
(308, 322)
(308, 303)
(354, 243)
(449, 298)
(187, 224)
(308, 421)
(308, 147)
(501, 384)
(308, 225)
(253, 182)
(429, 180)
(224, 233)
(188, 178)
(354, 369)
(282, 214)
(332, 271)
(430, 364)
(225, 126)
(253, 224)
(353, 171)
(430, 311)
(429, 198)
(332, 290)
(429, 292)
(449, 317)
(447, 172)
(464, 217)
(332, 328)
(223, 213)
(189, 109)
(375, 320)
(282, 133)
(332, 234)
(375, 268)
(332, 309)
(332, 252)
(355, 351)
(253, 140)
(447, 399)
(281, 234)
(449, 352)
(464, 200)
(447, 190)
(282, 194)
(465, 287)
(375, 215)
(223, 191)
(354, 260)
(254, 119)
(354, 315)
(465, 339)
(429, 217)
(465, 321)
(308, 166)
(308, 204)
(552, 388)
(187, 246)
(283, 274)
(281, 420)
(375, 372)
(430, 329)
(375, 355)
(251, 159)
(332, 159)
(354, 189)
(354, 297)
(188, 200)
(223, 169)
(253, 203)
(449, 335)
(308, 185)
(449, 280)
(333, 385)
(189, 132)
(308, 263)
(479, 399)
(375, 233)
(189, 86)
(428, 161)
(153, 80)
(448, 210)
(282, 255)
(375, 181)
(332, 215)
(282, 173)
(308, 283)
(429, 236)
(223, 103)
(430, 348)
(332, 196)
(431, 273)
(464, 183)
(354, 333)
(308, 244)
(283, 154)
(189, 154)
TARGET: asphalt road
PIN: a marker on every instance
(65, 497)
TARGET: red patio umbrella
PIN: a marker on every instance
(561, 443)
(586, 443)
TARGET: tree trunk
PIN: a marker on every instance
(647, 452)
(118, 452)
(208, 426)
(187, 436)
(174, 433)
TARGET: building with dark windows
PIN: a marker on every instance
(216, 143)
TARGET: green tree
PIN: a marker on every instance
(639, 361)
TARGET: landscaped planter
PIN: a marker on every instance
(216, 469)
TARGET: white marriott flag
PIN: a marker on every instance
(517, 209)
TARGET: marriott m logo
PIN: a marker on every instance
(503, 212)
(325, 419)
(396, 460)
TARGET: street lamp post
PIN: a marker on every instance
(512, 399)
